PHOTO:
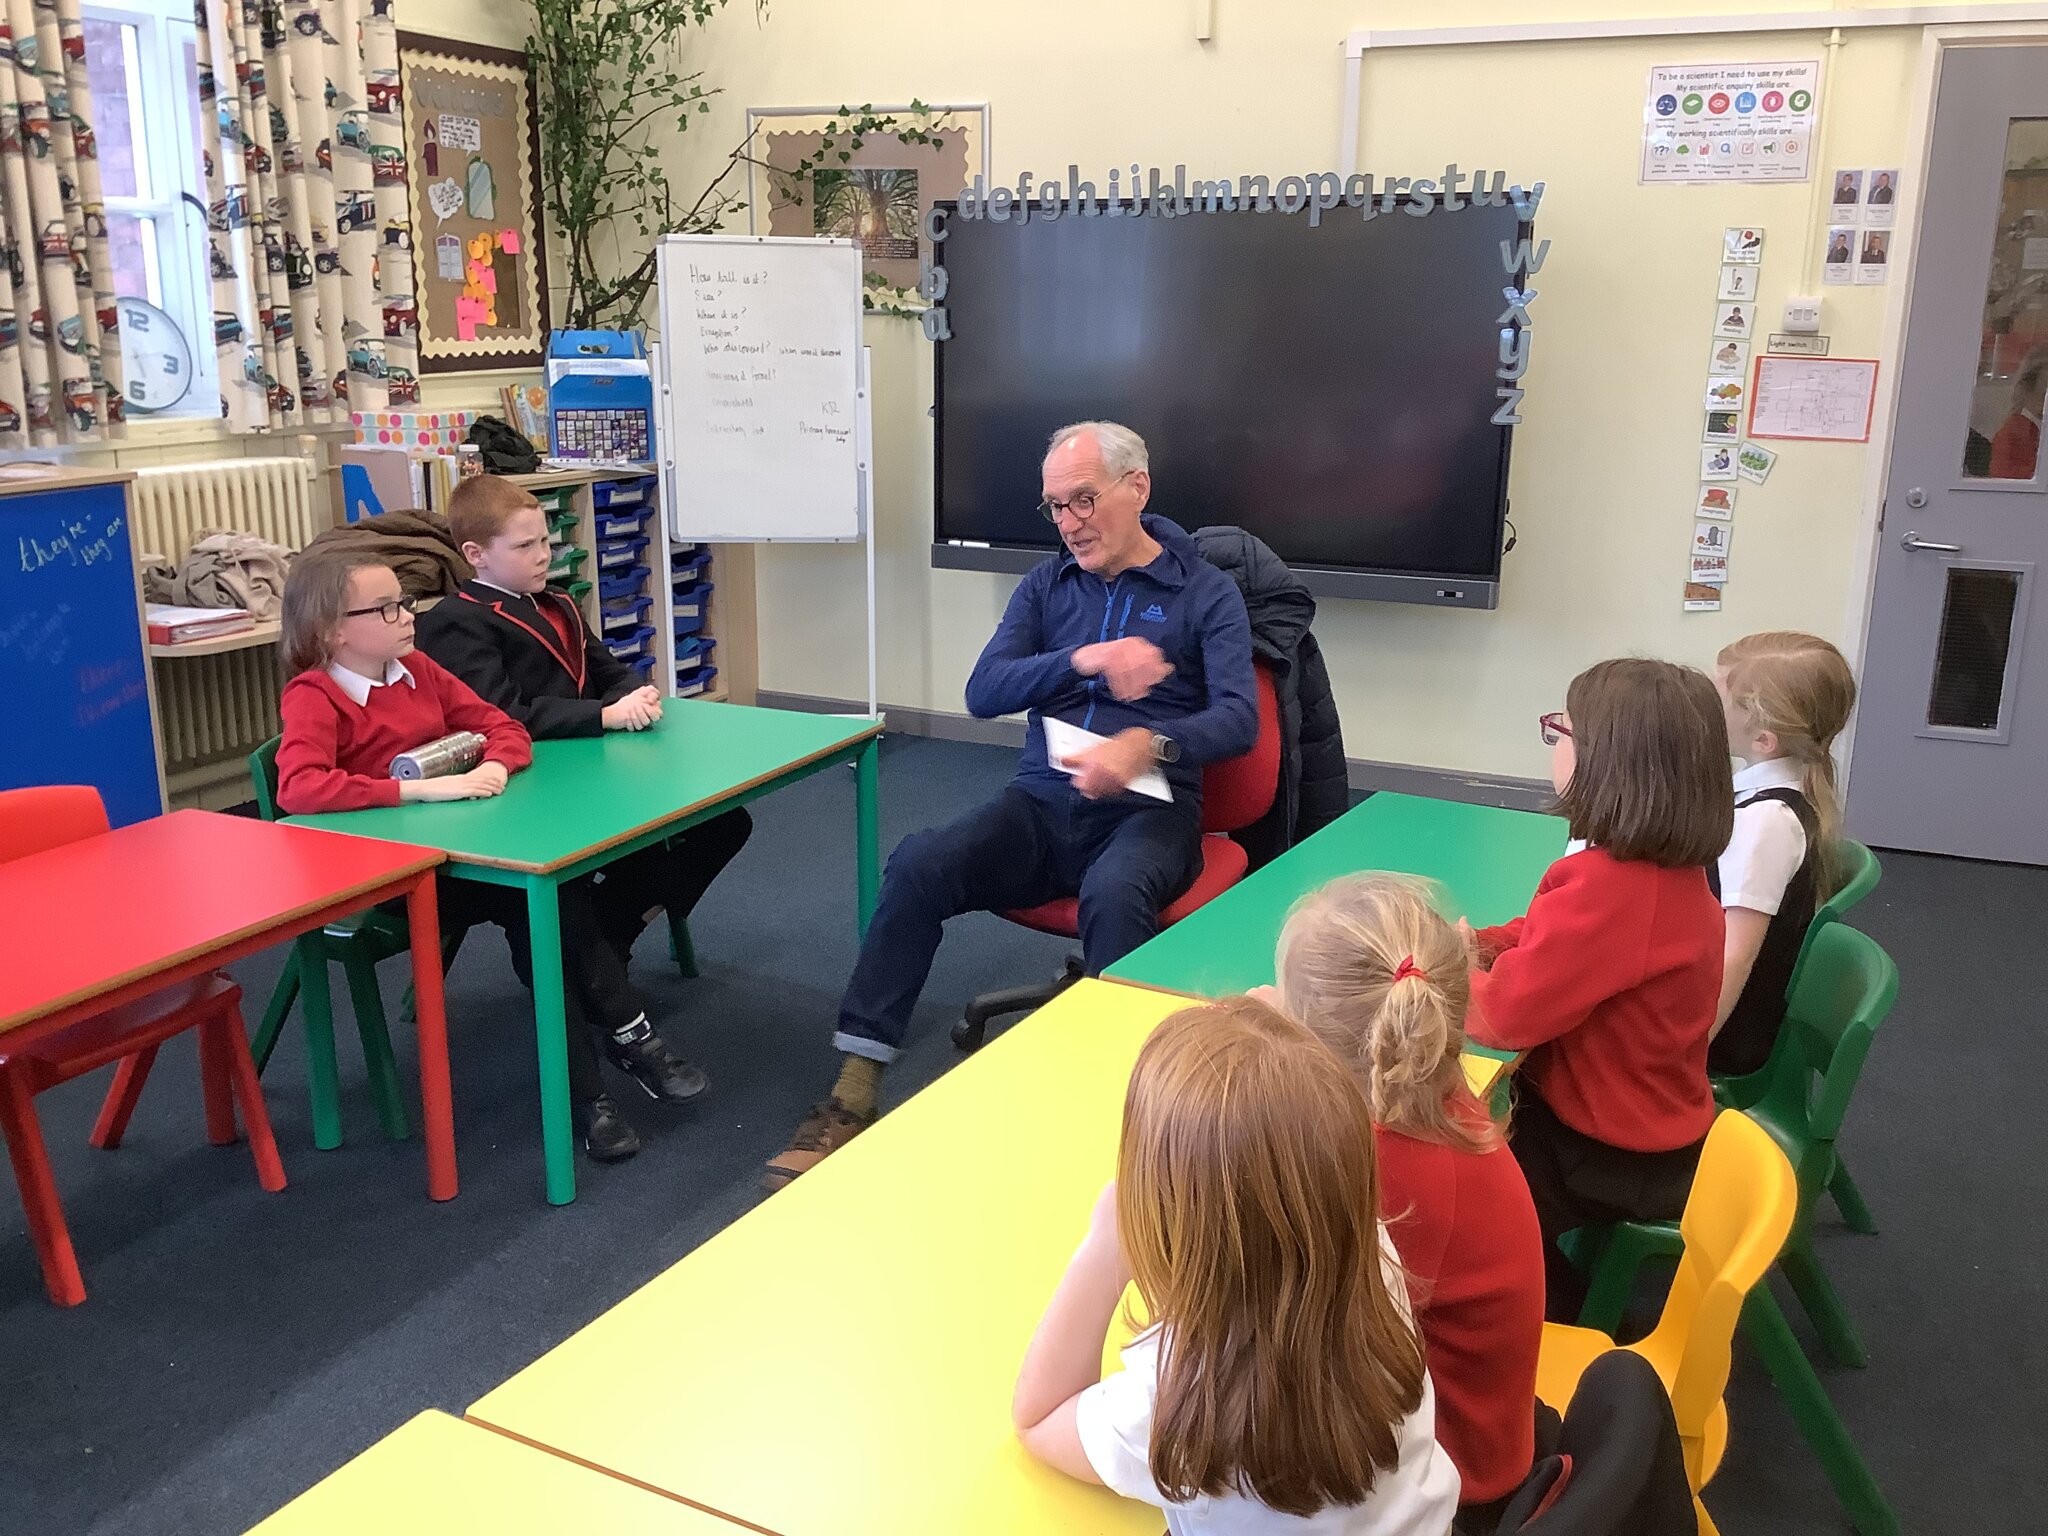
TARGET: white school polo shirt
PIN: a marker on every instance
(1768, 845)
(1417, 1496)
(358, 687)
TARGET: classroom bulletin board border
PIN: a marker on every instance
(473, 183)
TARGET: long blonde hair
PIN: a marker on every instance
(1799, 688)
(1246, 1194)
(1369, 965)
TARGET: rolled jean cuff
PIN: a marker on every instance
(861, 1045)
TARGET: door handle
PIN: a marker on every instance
(1911, 539)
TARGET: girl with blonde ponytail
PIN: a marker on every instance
(1787, 696)
(1369, 965)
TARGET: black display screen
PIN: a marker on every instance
(1331, 389)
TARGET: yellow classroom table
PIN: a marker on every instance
(839, 1361)
(438, 1476)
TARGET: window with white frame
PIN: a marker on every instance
(140, 56)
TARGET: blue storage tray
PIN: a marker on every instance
(628, 647)
(617, 554)
(688, 572)
(680, 555)
(622, 524)
(632, 492)
(692, 654)
(624, 613)
(644, 665)
(697, 682)
(691, 605)
(622, 583)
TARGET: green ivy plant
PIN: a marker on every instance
(843, 134)
(609, 81)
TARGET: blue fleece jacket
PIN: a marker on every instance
(1182, 604)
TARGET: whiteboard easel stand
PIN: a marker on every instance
(864, 437)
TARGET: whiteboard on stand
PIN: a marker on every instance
(758, 388)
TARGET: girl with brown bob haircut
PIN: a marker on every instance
(1282, 1377)
(1611, 981)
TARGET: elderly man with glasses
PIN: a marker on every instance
(1129, 635)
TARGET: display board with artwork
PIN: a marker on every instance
(472, 157)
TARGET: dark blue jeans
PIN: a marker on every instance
(1124, 861)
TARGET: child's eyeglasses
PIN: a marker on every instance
(389, 612)
(1553, 726)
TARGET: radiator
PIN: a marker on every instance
(276, 499)
(213, 711)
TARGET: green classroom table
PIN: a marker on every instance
(1487, 860)
(588, 801)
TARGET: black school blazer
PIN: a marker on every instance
(504, 647)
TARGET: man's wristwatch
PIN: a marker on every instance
(1164, 749)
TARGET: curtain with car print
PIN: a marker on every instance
(60, 359)
(309, 233)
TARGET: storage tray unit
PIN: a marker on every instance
(691, 606)
(690, 588)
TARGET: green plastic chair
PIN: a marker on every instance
(1860, 879)
(1846, 986)
(358, 941)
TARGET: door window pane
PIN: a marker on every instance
(1971, 651)
(2004, 438)
(112, 67)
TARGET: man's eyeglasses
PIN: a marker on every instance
(389, 612)
(1083, 505)
(1553, 727)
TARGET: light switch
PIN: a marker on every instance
(1802, 315)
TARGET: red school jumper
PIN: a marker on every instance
(336, 754)
(1610, 983)
(1466, 1231)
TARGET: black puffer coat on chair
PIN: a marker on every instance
(1314, 786)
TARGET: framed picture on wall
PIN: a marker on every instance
(472, 162)
(808, 178)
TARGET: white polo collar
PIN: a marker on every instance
(358, 687)
(1771, 773)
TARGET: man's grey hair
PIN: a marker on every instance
(1122, 449)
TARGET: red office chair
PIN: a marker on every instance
(1235, 793)
(31, 1060)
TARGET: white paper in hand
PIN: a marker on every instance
(1064, 741)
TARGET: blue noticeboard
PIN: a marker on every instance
(74, 673)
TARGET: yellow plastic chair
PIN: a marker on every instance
(1739, 1214)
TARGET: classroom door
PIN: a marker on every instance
(1952, 738)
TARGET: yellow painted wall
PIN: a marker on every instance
(1605, 469)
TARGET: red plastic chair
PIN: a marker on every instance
(32, 821)
(1235, 793)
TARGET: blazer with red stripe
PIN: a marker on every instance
(505, 647)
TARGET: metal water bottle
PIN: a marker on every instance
(455, 753)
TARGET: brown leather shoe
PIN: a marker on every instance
(829, 1126)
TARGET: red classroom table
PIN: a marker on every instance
(98, 923)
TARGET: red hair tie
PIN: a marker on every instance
(1408, 968)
